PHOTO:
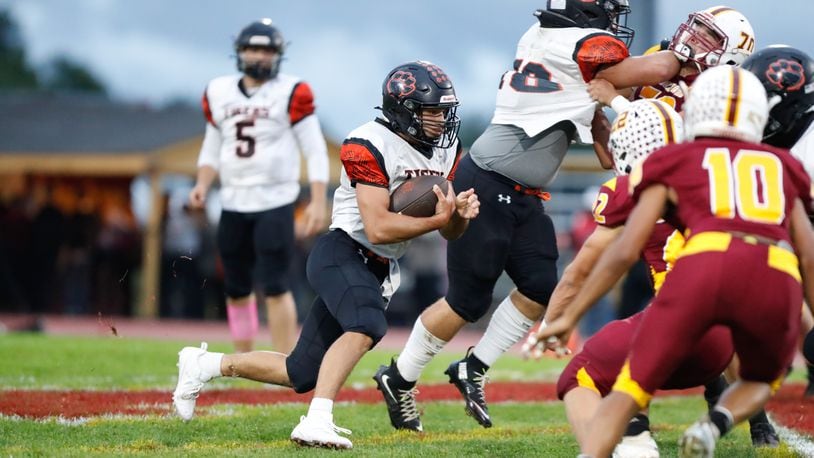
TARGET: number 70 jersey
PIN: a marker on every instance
(548, 83)
(726, 185)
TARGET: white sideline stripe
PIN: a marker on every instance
(799, 442)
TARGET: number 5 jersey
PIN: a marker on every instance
(254, 139)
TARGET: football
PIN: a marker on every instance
(415, 196)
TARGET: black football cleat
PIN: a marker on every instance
(470, 384)
(399, 395)
(764, 435)
(809, 392)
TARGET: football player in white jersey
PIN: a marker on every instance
(354, 268)
(787, 75)
(259, 122)
(542, 106)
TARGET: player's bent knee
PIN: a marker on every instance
(471, 309)
(372, 323)
(301, 374)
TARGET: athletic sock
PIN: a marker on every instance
(721, 417)
(713, 391)
(759, 418)
(210, 365)
(637, 425)
(421, 347)
(507, 326)
(321, 408)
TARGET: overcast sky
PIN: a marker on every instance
(156, 51)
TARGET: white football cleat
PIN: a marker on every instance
(190, 381)
(320, 432)
(698, 440)
(641, 445)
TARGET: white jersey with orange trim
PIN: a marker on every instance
(549, 81)
(254, 140)
(374, 155)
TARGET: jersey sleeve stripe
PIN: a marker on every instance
(364, 163)
(301, 103)
(206, 110)
(458, 154)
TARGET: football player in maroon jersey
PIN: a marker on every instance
(743, 207)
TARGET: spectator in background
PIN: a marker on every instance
(181, 280)
(76, 256)
(258, 124)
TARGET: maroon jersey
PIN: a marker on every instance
(668, 92)
(612, 208)
(728, 186)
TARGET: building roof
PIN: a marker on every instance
(47, 122)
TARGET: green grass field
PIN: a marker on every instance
(33, 361)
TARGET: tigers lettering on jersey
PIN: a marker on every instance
(420, 173)
(249, 111)
(596, 51)
(363, 163)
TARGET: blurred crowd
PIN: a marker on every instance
(74, 246)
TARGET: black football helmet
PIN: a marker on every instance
(610, 15)
(260, 33)
(787, 74)
(410, 88)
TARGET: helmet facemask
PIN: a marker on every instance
(617, 11)
(691, 36)
(447, 128)
(259, 69)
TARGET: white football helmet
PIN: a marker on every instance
(726, 102)
(643, 127)
(735, 42)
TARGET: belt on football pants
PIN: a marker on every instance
(536, 192)
(781, 255)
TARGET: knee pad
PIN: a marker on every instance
(537, 286)
(372, 323)
(243, 322)
(301, 373)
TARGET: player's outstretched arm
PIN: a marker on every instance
(614, 262)
(642, 70)
(383, 226)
